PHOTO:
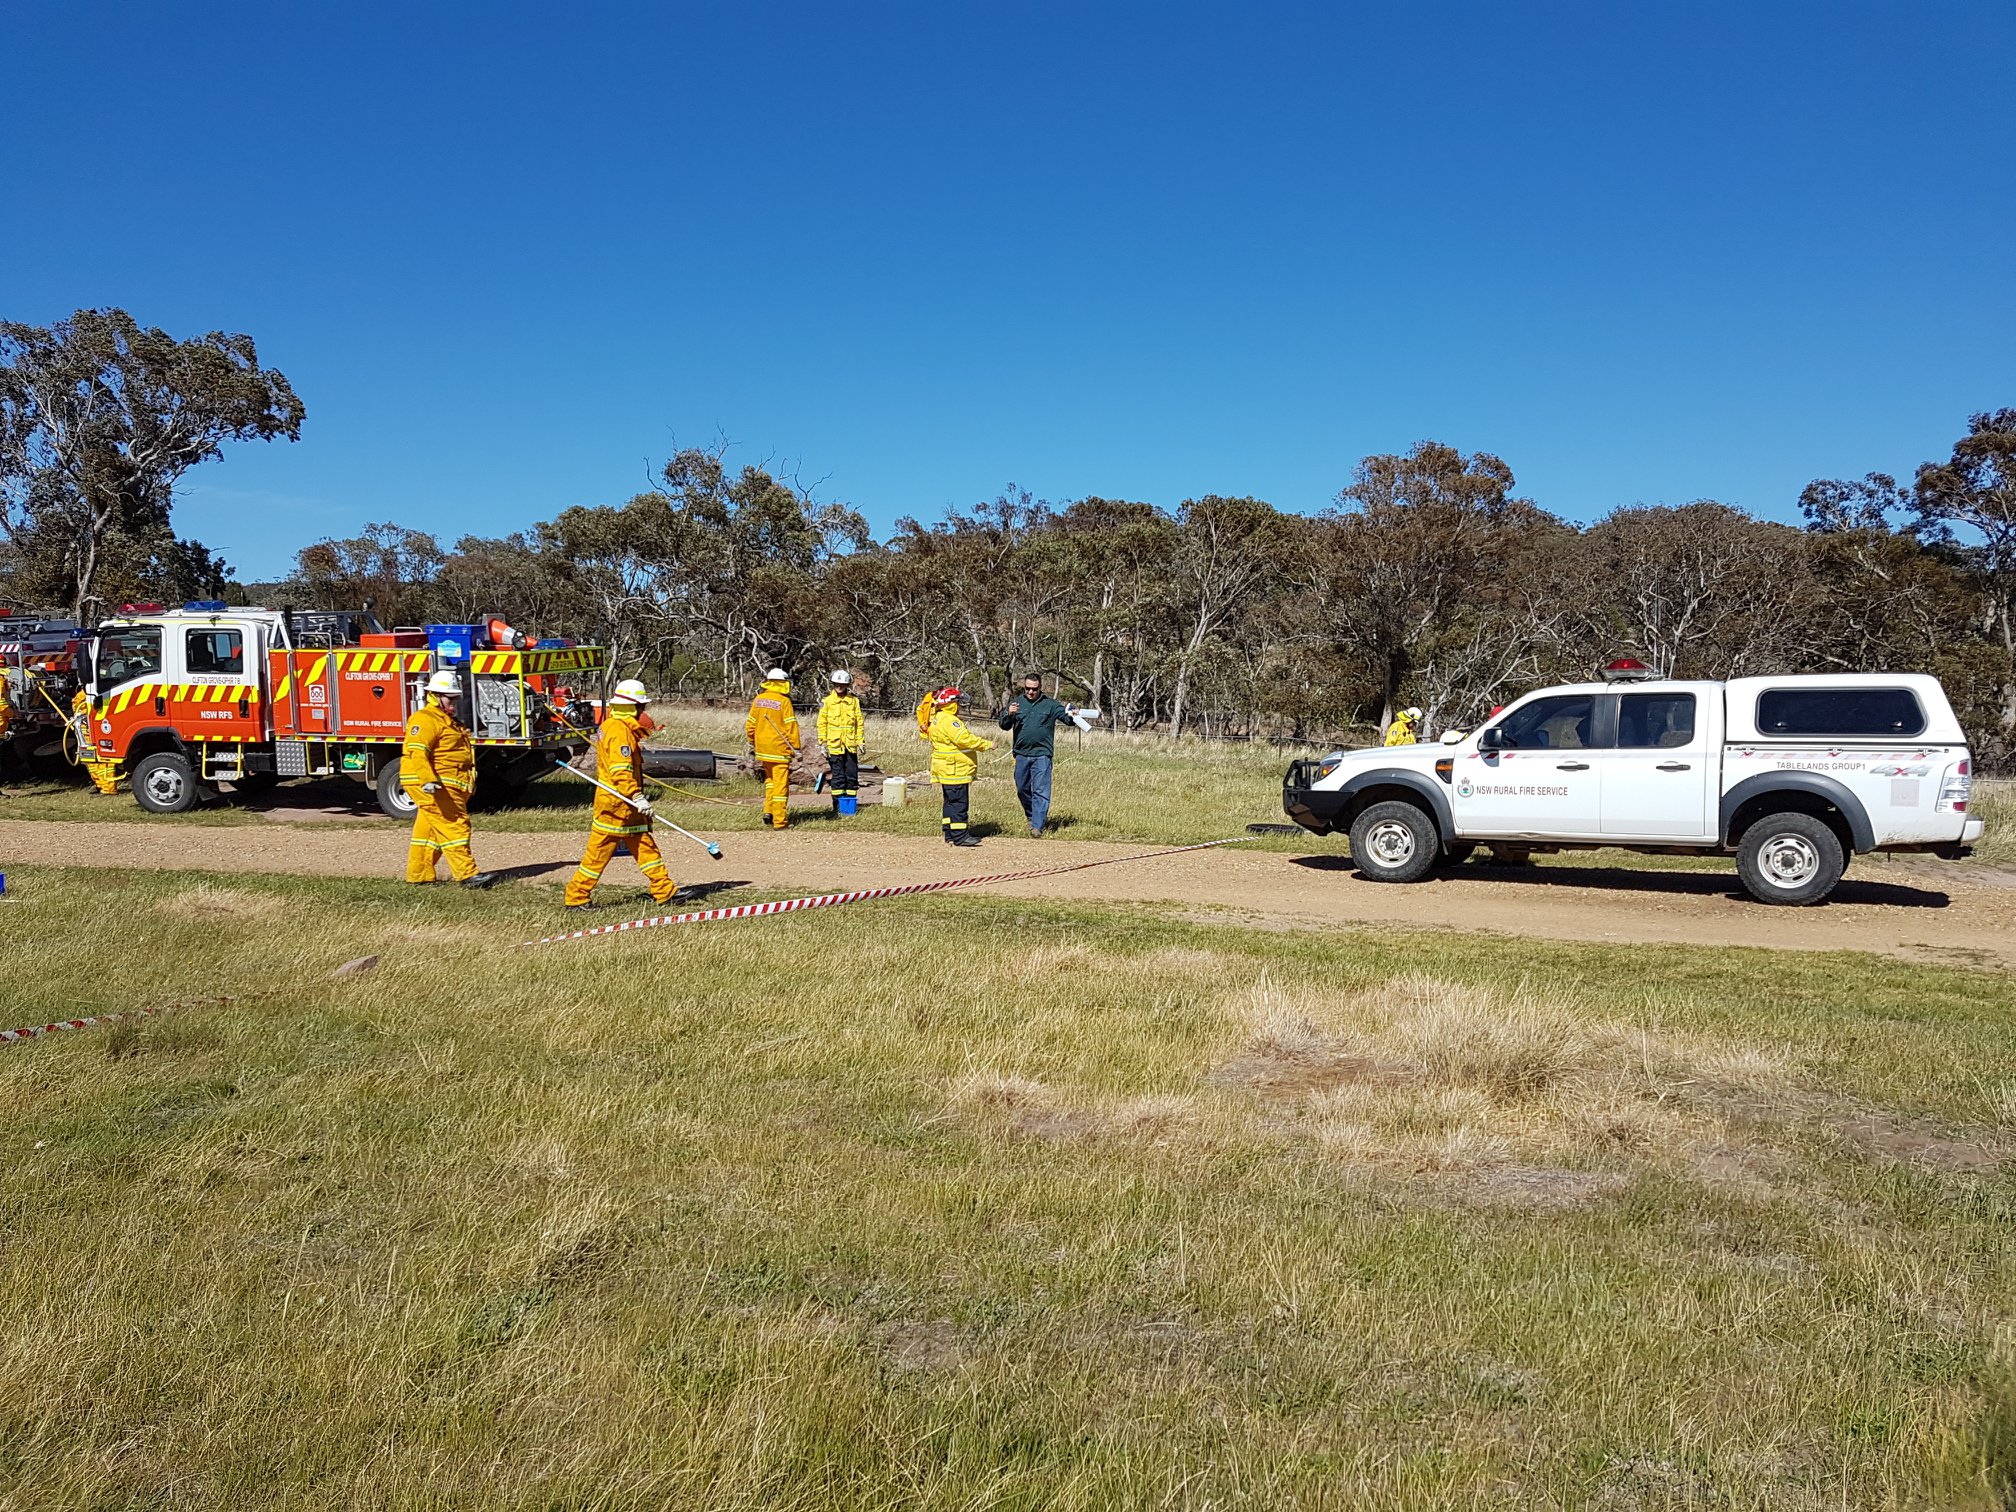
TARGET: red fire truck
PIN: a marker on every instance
(183, 698)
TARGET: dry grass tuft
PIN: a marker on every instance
(206, 903)
(1425, 1075)
(2002, 1103)
(993, 1089)
(1887, 1139)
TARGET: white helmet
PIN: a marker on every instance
(444, 681)
(1411, 712)
(778, 674)
(842, 678)
(630, 691)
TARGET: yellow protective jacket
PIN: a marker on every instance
(926, 707)
(841, 730)
(438, 749)
(619, 761)
(1401, 731)
(772, 727)
(6, 709)
(954, 747)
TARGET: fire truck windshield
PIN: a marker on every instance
(130, 652)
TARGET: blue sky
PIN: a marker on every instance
(510, 255)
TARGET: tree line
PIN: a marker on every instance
(1429, 580)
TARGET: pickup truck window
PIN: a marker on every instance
(1550, 724)
(1655, 721)
(1839, 711)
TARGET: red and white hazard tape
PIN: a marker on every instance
(38, 1031)
(862, 895)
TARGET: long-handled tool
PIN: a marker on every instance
(653, 815)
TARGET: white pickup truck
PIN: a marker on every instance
(1790, 774)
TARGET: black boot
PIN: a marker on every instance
(480, 881)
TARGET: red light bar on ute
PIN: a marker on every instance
(1627, 669)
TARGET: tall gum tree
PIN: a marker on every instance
(100, 417)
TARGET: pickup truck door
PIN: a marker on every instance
(1544, 782)
(1657, 779)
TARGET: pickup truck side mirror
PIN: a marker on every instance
(1493, 739)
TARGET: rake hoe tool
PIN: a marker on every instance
(656, 818)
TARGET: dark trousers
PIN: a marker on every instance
(843, 774)
(957, 798)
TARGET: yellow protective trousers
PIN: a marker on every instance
(440, 832)
(603, 847)
(104, 775)
(777, 792)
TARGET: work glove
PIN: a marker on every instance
(642, 805)
(430, 787)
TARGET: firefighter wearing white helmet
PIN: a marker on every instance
(1406, 727)
(621, 824)
(842, 733)
(438, 771)
(772, 728)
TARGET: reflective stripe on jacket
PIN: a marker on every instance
(619, 761)
(841, 729)
(953, 748)
(772, 727)
(438, 749)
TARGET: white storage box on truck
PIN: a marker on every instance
(1791, 775)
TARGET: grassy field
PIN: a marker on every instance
(975, 1203)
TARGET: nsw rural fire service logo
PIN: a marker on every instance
(1464, 787)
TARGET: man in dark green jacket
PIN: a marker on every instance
(1034, 719)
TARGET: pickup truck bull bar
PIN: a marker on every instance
(1315, 811)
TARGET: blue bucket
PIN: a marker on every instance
(847, 805)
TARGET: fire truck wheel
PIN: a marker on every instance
(165, 783)
(392, 797)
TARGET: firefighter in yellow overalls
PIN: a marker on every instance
(621, 824)
(772, 728)
(438, 772)
(104, 774)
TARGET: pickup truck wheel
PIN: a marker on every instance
(1792, 859)
(1394, 842)
(392, 797)
(166, 783)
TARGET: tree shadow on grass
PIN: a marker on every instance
(1852, 892)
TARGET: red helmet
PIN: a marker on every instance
(945, 696)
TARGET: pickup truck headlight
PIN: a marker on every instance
(1327, 765)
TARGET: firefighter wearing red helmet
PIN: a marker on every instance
(438, 771)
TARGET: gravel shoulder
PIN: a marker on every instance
(1918, 910)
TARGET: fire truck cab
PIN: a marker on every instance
(185, 698)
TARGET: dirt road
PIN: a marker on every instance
(1922, 910)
